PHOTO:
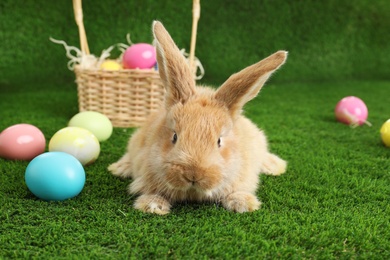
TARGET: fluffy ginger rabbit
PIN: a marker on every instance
(198, 146)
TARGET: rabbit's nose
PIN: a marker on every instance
(190, 179)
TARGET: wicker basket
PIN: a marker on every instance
(126, 96)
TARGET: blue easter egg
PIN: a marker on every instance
(55, 176)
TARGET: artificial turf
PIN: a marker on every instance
(332, 203)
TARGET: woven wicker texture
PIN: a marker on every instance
(126, 97)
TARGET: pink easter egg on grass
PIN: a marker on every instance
(21, 142)
(140, 55)
(351, 111)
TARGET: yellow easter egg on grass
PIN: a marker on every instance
(110, 65)
(385, 133)
(78, 142)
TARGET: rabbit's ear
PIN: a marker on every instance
(173, 68)
(246, 84)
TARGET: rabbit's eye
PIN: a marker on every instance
(219, 142)
(174, 138)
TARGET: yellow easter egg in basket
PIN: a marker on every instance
(110, 65)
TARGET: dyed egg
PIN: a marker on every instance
(97, 123)
(78, 142)
(140, 55)
(110, 65)
(385, 133)
(352, 111)
(55, 176)
(21, 142)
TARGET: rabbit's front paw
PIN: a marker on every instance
(153, 204)
(241, 202)
(273, 165)
(122, 167)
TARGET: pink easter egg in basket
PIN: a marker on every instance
(351, 111)
(21, 142)
(140, 55)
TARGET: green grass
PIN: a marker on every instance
(331, 203)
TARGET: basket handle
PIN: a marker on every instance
(78, 15)
(195, 19)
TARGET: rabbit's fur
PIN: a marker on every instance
(198, 146)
